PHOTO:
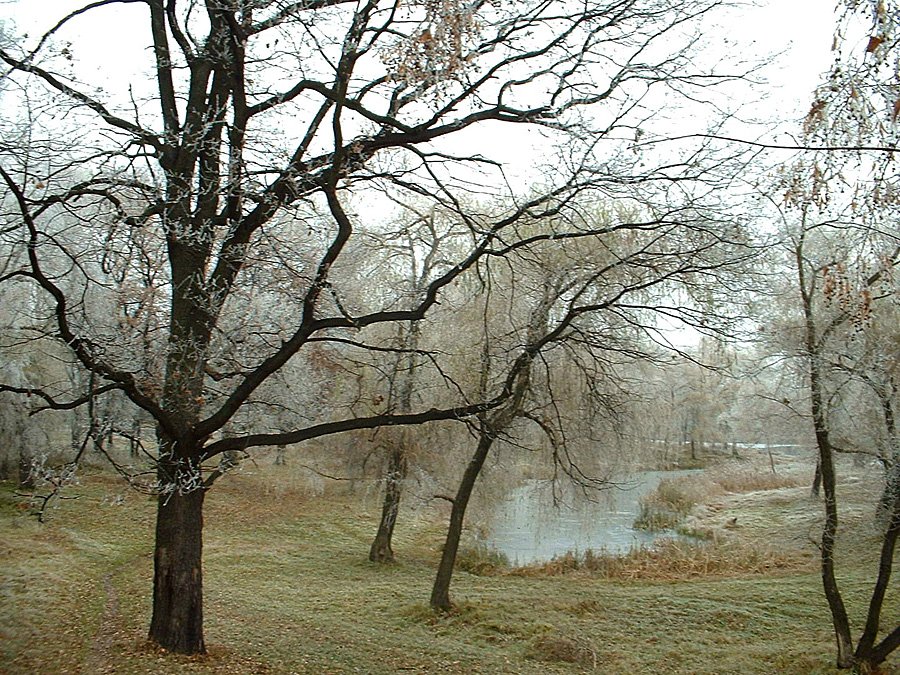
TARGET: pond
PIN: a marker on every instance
(528, 527)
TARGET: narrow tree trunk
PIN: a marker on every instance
(825, 467)
(404, 378)
(866, 651)
(381, 550)
(134, 441)
(440, 592)
(816, 490)
(891, 460)
(177, 623)
(829, 582)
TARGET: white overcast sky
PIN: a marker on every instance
(801, 28)
(797, 32)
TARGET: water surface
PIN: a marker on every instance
(529, 527)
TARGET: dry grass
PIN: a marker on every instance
(559, 648)
(481, 560)
(288, 589)
(668, 506)
(672, 560)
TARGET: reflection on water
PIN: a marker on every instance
(528, 527)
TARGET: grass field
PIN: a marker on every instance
(288, 589)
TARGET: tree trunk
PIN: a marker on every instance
(134, 441)
(404, 377)
(177, 623)
(816, 490)
(885, 510)
(381, 550)
(440, 592)
(825, 469)
(891, 461)
(867, 652)
(829, 533)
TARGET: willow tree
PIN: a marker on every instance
(231, 145)
(553, 316)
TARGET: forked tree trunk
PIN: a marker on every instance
(868, 655)
(440, 592)
(381, 550)
(177, 623)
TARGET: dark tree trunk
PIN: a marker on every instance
(381, 550)
(816, 490)
(440, 592)
(829, 533)
(177, 623)
(891, 461)
(867, 652)
(825, 470)
(825, 467)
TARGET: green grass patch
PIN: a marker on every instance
(288, 589)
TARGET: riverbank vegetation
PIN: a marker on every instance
(291, 590)
(670, 504)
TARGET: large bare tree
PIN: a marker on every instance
(250, 146)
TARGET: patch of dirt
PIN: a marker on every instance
(100, 657)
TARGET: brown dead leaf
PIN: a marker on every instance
(874, 41)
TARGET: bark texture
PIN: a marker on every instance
(177, 623)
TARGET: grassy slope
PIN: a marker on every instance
(288, 589)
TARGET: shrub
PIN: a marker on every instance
(481, 560)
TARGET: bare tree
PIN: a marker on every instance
(417, 251)
(252, 130)
(839, 210)
(831, 304)
(595, 306)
